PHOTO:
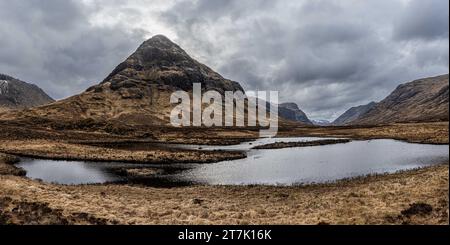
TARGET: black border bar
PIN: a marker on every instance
(277, 233)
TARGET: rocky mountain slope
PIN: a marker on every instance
(353, 114)
(16, 94)
(292, 112)
(160, 61)
(423, 100)
(137, 91)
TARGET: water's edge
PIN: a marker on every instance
(278, 167)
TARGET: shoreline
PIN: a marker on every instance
(43, 149)
(435, 133)
(395, 198)
(396, 191)
(283, 145)
(155, 171)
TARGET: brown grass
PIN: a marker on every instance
(2, 109)
(433, 133)
(402, 198)
(7, 167)
(371, 200)
(67, 151)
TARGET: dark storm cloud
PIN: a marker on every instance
(52, 44)
(325, 55)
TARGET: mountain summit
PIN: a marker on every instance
(160, 61)
(137, 92)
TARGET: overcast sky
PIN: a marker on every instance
(325, 55)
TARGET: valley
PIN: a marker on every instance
(110, 155)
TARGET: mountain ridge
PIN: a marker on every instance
(422, 100)
(353, 114)
(292, 112)
(17, 94)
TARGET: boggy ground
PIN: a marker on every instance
(412, 197)
(67, 144)
(66, 151)
(431, 133)
(44, 142)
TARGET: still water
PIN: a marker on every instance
(67, 172)
(288, 166)
(245, 146)
(318, 164)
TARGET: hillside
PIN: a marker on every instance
(138, 90)
(423, 100)
(353, 114)
(16, 94)
(292, 112)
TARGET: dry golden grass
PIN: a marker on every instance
(434, 133)
(2, 109)
(7, 167)
(67, 151)
(372, 200)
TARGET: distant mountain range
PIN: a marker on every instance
(16, 94)
(137, 92)
(422, 100)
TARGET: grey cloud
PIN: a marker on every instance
(52, 44)
(424, 20)
(325, 55)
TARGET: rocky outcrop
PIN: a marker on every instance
(161, 62)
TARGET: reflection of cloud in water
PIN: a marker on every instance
(277, 166)
(245, 146)
(66, 172)
(319, 163)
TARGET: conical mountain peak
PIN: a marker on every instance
(160, 61)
